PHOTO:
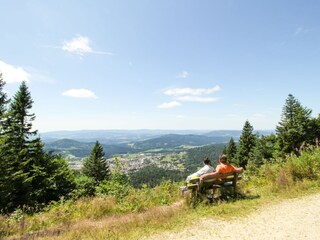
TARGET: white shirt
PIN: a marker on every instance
(205, 169)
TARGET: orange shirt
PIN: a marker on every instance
(225, 168)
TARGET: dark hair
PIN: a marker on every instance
(206, 161)
(223, 158)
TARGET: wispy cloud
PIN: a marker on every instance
(167, 105)
(197, 99)
(80, 45)
(191, 91)
(300, 31)
(179, 95)
(13, 74)
(79, 93)
(183, 74)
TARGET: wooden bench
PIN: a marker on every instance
(226, 180)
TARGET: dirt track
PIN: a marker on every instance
(292, 219)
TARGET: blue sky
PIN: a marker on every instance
(161, 64)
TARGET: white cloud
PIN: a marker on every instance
(183, 74)
(197, 99)
(80, 45)
(13, 74)
(191, 91)
(168, 105)
(181, 116)
(79, 93)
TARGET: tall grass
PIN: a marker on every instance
(61, 215)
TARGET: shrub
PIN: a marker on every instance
(85, 186)
(307, 165)
(118, 186)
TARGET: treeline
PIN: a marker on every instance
(152, 176)
(296, 130)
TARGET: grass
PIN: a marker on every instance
(148, 211)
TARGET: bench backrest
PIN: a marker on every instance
(222, 178)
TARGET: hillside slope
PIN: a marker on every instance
(292, 219)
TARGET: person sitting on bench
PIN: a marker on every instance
(206, 169)
(223, 167)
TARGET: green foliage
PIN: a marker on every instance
(164, 194)
(85, 186)
(95, 165)
(195, 156)
(152, 176)
(246, 145)
(3, 98)
(307, 165)
(295, 127)
(287, 173)
(231, 150)
(117, 186)
(29, 176)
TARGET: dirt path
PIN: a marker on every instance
(292, 219)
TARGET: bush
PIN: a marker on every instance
(118, 186)
(283, 174)
(307, 165)
(85, 186)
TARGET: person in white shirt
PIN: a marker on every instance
(207, 168)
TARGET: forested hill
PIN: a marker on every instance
(176, 140)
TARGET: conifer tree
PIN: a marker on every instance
(246, 145)
(231, 150)
(95, 165)
(5, 182)
(258, 153)
(295, 126)
(224, 150)
(31, 176)
(3, 98)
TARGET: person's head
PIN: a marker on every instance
(223, 159)
(206, 161)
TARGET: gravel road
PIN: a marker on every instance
(291, 219)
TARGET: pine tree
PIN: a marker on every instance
(295, 126)
(3, 99)
(31, 176)
(95, 165)
(257, 152)
(5, 181)
(231, 150)
(246, 145)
